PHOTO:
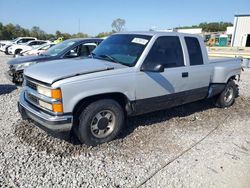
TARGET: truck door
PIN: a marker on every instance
(159, 90)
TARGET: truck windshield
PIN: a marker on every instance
(57, 49)
(122, 48)
(16, 39)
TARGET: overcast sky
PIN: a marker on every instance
(97, 16)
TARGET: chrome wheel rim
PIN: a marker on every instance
(103, 124)
(228, 95)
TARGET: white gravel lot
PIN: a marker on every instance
(195, 145)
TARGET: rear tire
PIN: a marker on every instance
(100, 122)
(227, 97)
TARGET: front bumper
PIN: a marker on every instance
(54, 123)
(3, 48)
(11, 51)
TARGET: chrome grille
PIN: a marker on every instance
(31, 84)
(29, 97)
(32, 98)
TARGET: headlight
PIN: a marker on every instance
(53, 93)
(44, 91)
(56, 107)
(24, 65)
(45, 105)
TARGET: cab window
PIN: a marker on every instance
(194, 51)
(166, 51)
(84, 51)
(32, 43)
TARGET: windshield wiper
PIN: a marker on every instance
(110, 58)
(41, 54)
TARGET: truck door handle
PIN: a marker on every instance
(184, 74)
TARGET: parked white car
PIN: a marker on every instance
(5, 44)
(16, 49)
(37, 50)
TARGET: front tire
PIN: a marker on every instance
(6, 51)
(227, 97)
(17, 52)
(100, 122)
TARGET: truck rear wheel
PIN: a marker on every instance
(100, 122)
(227, 97)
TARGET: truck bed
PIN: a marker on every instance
(224, 69)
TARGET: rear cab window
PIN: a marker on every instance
(194, 51)
(33, 43)
(41, 42)
(166, 50)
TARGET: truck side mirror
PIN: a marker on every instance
(71, 53)
(150, 67)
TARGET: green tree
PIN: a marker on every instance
(80, 35)
(58, 34)
(1, 30)
(118, 24)
(210, 27)
(37, 32)
(66, 36)
(104, 34)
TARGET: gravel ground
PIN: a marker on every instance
(195, 145)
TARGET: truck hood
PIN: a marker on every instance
(53, 71)
(19, 46)
(20, 60)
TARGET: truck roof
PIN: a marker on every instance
(157, 33)
(83, 39)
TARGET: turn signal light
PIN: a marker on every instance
(56, 94)
(57, 107)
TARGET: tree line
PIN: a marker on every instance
(10, 31)
(210, 27)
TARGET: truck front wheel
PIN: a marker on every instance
(17, 52)
(227, 97)
(101, 121)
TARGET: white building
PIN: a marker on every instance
(241, 32)
(197, 31)
(230, 30)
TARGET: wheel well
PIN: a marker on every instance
(118, 97)
(18, 50)
(234, 77)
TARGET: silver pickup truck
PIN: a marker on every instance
(128, 74)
